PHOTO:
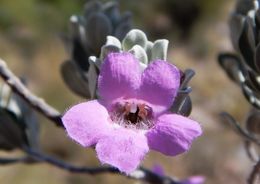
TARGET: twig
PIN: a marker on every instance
(254, 174)
(239, 129)
(36, 102)
(140, 174)
(7, 161)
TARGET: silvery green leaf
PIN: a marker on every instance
(106, 49)
(5, 95)
(75, 79)
(134, 37)
(98, 26)
(111, 9)
(252, 80)
(92, 7)
(7, 101)
(74, 26)
(253, 122)
(111, 40)
(122, 29)
(97, 62)
(251, 96)
(77, 30)
(14, 107)
(123, 26)
(182, 102)
(92, 78)
(159, 50)
(148, 50)
(139, 53)
(187, 76)
(257, 58)
(232, 65)
(143, 66)
(186, 107)
(243, 6)
(257, 22)
(11, 132)
(236, 23)
(247, 43)
(79, 55)
(30, 120)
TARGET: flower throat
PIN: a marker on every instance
(133, 115)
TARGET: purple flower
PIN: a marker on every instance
(132, 114)
(193, 180)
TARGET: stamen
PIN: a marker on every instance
(133, 108)
(132, 115)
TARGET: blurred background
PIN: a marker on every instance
(31, 44)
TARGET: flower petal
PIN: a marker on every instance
(87, 122)
(120, 76)
(159, 84)
(123, 149)
(173, 134)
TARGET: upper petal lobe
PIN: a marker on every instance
(159, 84)
(124, 149)
(87, 122)
(173, 134)
(120, 76)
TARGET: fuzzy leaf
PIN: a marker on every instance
(92, 78)
(232, 65)
(98, 26)
(134, 37)
(75, 79)
(159, 50)
(148, 50)
(253, 123)
(31, 123)
(11, 131)
(247, 43)
(236, 27)
(111, 40)
(182, 103)
(139, 53)
(106, 49)
(92, 7)
(111, 9)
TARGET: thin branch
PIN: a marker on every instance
(140, 174)
(37, 103)
(254, 175)
(7, 161)
(239, 129)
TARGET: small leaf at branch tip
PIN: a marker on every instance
(111, 40)
(106, 49)
(148, 50)
(139, 53)
(75, 80)
(134, 37)
(159, 50)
